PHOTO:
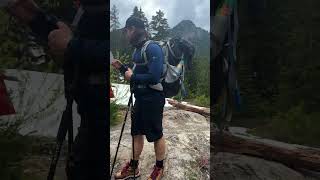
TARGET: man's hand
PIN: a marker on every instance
(58, 39)
(116, 64)
(128, 74)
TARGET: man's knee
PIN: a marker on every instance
(138, 139)
(160, 140)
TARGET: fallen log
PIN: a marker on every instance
(188, 107)
(294, 156)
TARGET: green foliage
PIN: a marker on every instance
(278, 70)
(145, 20)
(294, 126)
(13, 149)
(114, 18)
(159, 26)
(136, 12)
(197, 82)
(140, 14)
(9, 40)
(114, 113)
(202, 100)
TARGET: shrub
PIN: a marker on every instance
(114, 113)
(294, 126)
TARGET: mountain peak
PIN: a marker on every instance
(187, 23)
(186, 29)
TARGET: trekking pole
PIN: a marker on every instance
(64, 128)
(66, 123)
(123, 125)
(134, 167)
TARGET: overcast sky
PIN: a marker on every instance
(198, 11)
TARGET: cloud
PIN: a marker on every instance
(197, 11)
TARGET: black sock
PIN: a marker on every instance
(134, 163)
(159, 164)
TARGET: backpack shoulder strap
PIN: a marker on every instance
(171, 51)
(163, 45)
(143, 53)
(165, 50)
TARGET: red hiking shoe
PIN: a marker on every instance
(127, 172)
(156, 174)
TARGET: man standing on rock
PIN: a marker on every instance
(147, 111)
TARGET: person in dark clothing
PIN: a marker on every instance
(85, 51)
(147, 111)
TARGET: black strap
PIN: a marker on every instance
(42, 24)
(95, 9)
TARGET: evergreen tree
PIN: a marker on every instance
(145, 20)
(114, 19)
(136, 12)
(159, 26)
(140, 14)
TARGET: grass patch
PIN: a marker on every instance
(115, 115)
(13, 149)
(202, 100)
(25, 157)
(294, 126)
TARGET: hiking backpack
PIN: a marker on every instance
(172, 77)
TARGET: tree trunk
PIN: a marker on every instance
(293, 156)
(188, 107)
